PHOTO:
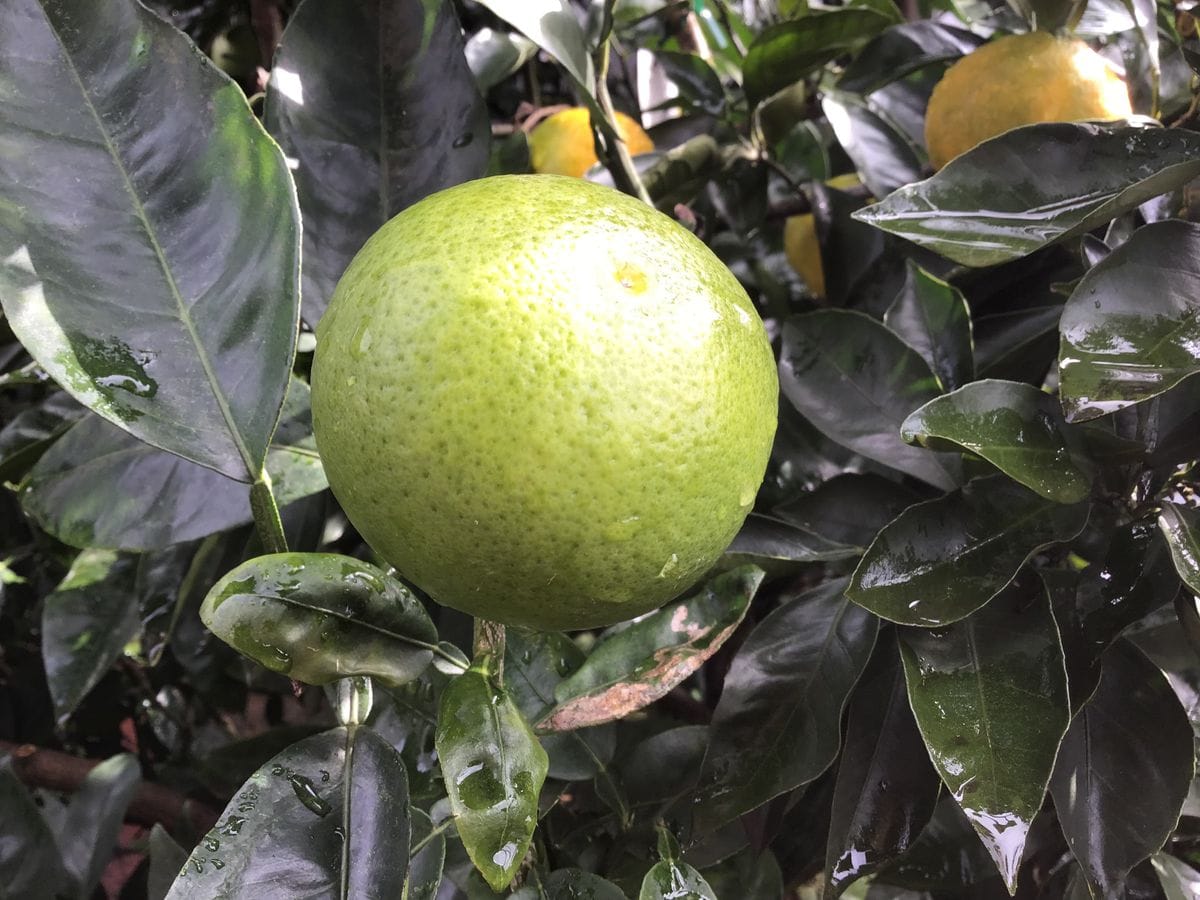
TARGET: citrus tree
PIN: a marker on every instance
(807, 507)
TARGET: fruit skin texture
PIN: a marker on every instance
(542, 401)
(562, 144)
(1019, 80)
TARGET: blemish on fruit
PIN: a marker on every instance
(631, 278)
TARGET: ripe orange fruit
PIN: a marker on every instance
(562, 144)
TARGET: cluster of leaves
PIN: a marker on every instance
(955, 651)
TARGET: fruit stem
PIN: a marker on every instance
(266, 515)
(616, 157)
(489, 641)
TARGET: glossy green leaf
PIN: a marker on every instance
(166, 859)
(30, 863)
(149, 251)
(99, 487)
(941, 560)
(990, 696)
(570, 884)
(695, 79)
(849, 509)
(882, 154)
(932, 317)
(1035, 185)
(664, 766)
(1014, 426)
(86, 622)
(1132, 325)
(375, 107)
(551, 24)
(675, 880)
(494, 55)
(1124, 769)
(902, 49)
(856, 381)
(1018, 345)
(31, 432)
(778, 723)
(777, 546)
(886, 790)
(493, 768)
(784, 53)
(319, 617)
(1181, 527)
(427, 859)
(327, 817)
(750, 875)
(637, 665)
(1179, 880)
(946, 856)
(90, 830)
(535, 663)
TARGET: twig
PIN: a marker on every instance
(266, 20)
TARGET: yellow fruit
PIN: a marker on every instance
(562, 144)
(542, 401)
(1019, 80)
(800, 243)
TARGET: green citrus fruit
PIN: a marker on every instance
(542, 401)
(1019, 80)
(563, 145)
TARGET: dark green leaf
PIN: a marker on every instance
(494, 768)
(856, 381)
(768, 542)
(886, 789)
(777, 725)
(748, 876)
(374, 104)
(675, 880)
(1049, 15)
(1132, 325)
(1018, 345)
(941, 560)
(849, 509)
(86, 623)
(903, 49)
(695, 79)
(552, 26)
(570, 884)
(29, 861)
(946, 856)
(1014, 426)
(786, 52)
(932, 317)
(328, 817)
(1035, 185)
(1179, 880)
(990, 697)
(1181, 527)
(637, 665)
(494, 55)
(664, 765)
(90, 830)
(879, 149)
(426, 861)
(1124, 769)
(100, 487)
(26, 437)
(166, 859)
(318, 617)
(157, 589)
(158, 288)
(535, 663)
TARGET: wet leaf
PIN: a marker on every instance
(1181, 527)
(637, 665)
(784, 53)
(328, 817)
(750, 875)
(1179, 880)
(849, 509)
(671, 878)
(552, 26)
(191, 251)
(856, 381)
(946, 856)
(26, 437)
(902, 49)
(86, 622)
(1131, 326)
(166, 859)
(89, 832)
(570, 884)
(494, 768)
(427, 858)
(494, 55)
(1124, 769)
(100, 487)
(375, 106)
(879, 149)
(535, 663)
(886, 790)
(1034, 186)
(30, 864)
(932, 317)
(989, 694)
(319, 617)
(1014, 426)
(943, 559)
(664, 765)
(775, 545)
(778, 723)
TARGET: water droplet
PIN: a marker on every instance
(212, 845)
(127, 383)
(233, 825)
(360, 341)
(478, 788)
(308, 795)
(463, 140)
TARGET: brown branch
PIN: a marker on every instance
(266, 20)
(152, 803)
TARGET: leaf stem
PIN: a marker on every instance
(355, 697)
(617, 159)
(266, 515)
